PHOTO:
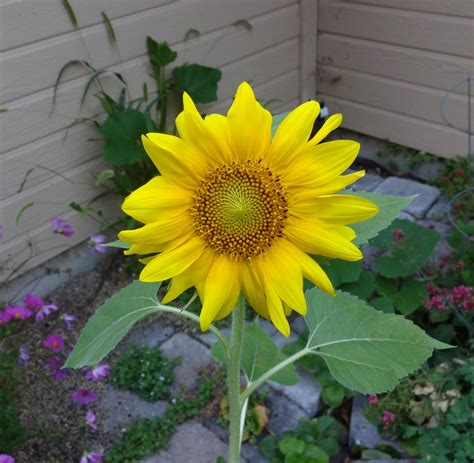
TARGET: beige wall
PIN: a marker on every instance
(36, 40)
(386, 64)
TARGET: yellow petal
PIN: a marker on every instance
(275, 309)
(249, 125)
(146, 204)
(316, 239)
(222, 284)
(175, 159)
(253, 290)
(320, 164)
(292, 134)
(171, 263)
(209, 136)
(332, 123)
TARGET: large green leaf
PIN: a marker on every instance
(123, 131)
(259, 355)
(406, 298)
(200, 82)
(112, 321)
(408, 251)
(389, 206)
(340, 271)
(365, 350)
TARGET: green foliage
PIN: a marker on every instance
(433, 410)
(259, 355)
(144, 371)
(112, 321)
(313, 441)
(365, 350)
(148, 436)
(12, 433)
(200, 82)
(159, 54)
(122, 132)
(409, 252)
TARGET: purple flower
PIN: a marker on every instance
(61, 227)
(54, 342)
(68, 319)
(16, 312)
(95, 243)
(99, 372)
(84, 396)
(24, 354)
(4, 319)
(7, 459)
(92, 457)
(33, 302)
(91, 419)
(46, 310)
(54, 367)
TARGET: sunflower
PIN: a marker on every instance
(235, 210)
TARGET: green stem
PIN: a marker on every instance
(233, 380)
(268, 374)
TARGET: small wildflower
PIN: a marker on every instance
(398, 234)
(436, 302)
(373, 399)
(458, 172)
(54, 342)
(23, 354)
(91, 420)
(99, 372)
(33, 302)
(462, 297)
(387, 418)
(84, 396)
(16, 312)
(54, 367)
(92, 457)
(68, 319)
(61, 227)
(4, 319)
(6, 458)
(459, 265)
(95, 243)
(45, 311)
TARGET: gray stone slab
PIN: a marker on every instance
(367, 183)
(442, 228)
(281, 340)
(208, 338)
(306, 394)
(284, 413)
(152, 335)
(439, 211)
(117, 409)
(268, 327)
(427, 195)
(362, 431)
(298, 325)
(406, 216)
(194, 357)
(192, 443)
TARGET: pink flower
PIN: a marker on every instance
(54, 342)
(91, 419)
(462, 297)
(373, 399)
(436, 302)
(46, 310)
(15, 312)
(92, 457)
(61, 227)
(387, 418)
(95, 243)
(24, 354)
(54, 367)
(4, 319)
(84, 396)
(68, 319)
(99, 372)
(6, 459)
(33, 302)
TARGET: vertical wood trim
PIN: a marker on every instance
(308, 38)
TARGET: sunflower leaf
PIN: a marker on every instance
(112, 321)
(200, 82)
(390, 207)
(365, 350)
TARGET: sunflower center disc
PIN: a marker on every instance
(240, 208)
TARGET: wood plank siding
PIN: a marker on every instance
(37, 39)
(386, 65)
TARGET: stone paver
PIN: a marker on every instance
(405, 216)
(281, 340)
(427, 195)
(118, 409)
(192, 443)
(284, 413)
(194, 357)
(442, 228)
(362, 431)
(439, 211)
(306, 394)
(298, 325)
(152, 335)
(367, 183)
(208, 338)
